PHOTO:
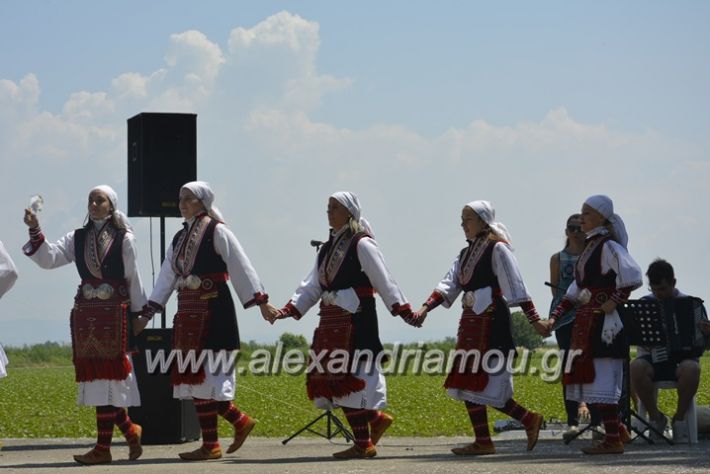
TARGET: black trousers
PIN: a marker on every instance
(564, 339)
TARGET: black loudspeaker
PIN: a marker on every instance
(162, 156)
(164, 419)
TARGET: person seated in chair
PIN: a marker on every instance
(681, 367)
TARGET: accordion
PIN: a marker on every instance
(666, 326)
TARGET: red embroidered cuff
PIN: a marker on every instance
(259, 298)
(36, 240)
(530, 312)
(404, 310)
(150, 308)
(291, 310)
(434, 300)
(621, 295)
(564, 306)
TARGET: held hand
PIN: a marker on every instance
(31, 219)
(420, 316)
(609, 306)
(269, 312)
(281, 314)
(411, 319)
(139, 324)
(150, 308)
(543, 328)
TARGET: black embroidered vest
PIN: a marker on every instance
(207, 260)
(111, 266)
(350, 275)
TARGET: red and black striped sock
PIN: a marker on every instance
(479, 420)
(105, 418)
(610, 417)
(207, 416)
(125, 424)
(374, 416)
(358, 418)
(518, 412)
(231, 413)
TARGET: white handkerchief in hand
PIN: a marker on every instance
(36, 203)
(612, 327)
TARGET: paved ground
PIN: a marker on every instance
(410, 455)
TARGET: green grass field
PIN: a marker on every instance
(40, 402)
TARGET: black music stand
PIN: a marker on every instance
(331, 420)
(589, 427)
(646, 326)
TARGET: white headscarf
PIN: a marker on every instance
(203, 192)
(352, 204)
(120, 217)
(605, 206)
(486, 212)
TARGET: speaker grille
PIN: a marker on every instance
(162, 156)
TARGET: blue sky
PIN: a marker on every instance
(419, 107)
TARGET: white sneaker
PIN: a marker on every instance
(598, 433)
(571, 433)
(660, 425)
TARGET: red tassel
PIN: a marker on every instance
(90, 369)
(471, 382)
(334, 386)
(176, 378)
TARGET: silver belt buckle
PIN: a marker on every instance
(469, 299)
(88, 291)
(103, 292)
(329, 297)
(191, 282)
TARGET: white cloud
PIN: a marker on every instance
(87, 106)
(283, 29)
(130, 85)
(277, 57)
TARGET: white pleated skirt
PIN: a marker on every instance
(372, 397)
(606, 388)
(498, 391)
(118, 393)
(220, 386)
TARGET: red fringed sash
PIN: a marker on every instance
(334, 331)
(474, 334)
(586, 322)
(190, 330)
(99, 333)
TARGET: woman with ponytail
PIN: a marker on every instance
(487, 274)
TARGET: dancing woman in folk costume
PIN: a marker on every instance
(8, 276)
(104, 251)
(348, 271)
(203, 256)
(605, 275)
(487, 272)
